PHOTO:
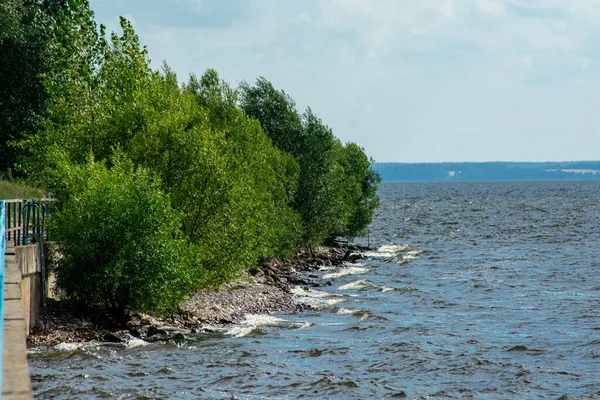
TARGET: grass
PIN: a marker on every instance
(15, 190)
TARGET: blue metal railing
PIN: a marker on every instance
(25, 219)
(2, 262)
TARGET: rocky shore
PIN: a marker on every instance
(265, 290)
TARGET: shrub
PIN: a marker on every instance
(120, 242)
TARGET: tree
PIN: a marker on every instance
(320, 198)
(336, 190)
(25, 56)
(276, 112)
(119, 240)
(361, 190)
(221, 172)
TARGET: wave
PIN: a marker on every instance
(346, 271)
(356, 285)
(252, 324)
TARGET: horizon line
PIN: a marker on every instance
(483, 162)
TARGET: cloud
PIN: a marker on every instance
(394, 75)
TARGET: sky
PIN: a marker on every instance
(408, 80)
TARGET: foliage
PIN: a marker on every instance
(276, 112)
(25, 53)
(236, 172)
(221, 172)
(120, 242)
(93, 89)
(361, 180)
(336, 185)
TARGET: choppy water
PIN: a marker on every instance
(484, 290)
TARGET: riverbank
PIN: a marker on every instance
(265, 290)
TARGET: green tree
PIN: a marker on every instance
(120, 241)
(360, 182)
(320, 198)
(336, 186)
(276, 112)
(267, 176)
(220, 170)
(25, 55)
(92, 83)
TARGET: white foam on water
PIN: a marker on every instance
(364, 317)
(379, 254)
(299, 291)
(304, 325)
(355, 264)
(68, 346)
(345, 311)
(135, 342)
(328, 303)
(261, 320)
(387, 251)
(251, 322)
(412, 255)
(213, 328)
(240, 331)
(316, 298)
(321, 304)
(356, 285)
(392, 248)
(327, 268)
(346, 271)
(386, 289)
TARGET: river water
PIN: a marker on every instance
(476, 290)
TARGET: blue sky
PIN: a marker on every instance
(408, 80)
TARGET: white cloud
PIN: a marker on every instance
(409, 80)
(491, 7)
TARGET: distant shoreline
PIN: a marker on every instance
(488, 171)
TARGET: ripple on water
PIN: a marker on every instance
(503, 305)
(361, 284)
(345, 271)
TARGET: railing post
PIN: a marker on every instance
(25, 222)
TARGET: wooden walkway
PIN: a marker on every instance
(16, 381)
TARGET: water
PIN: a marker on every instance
(485, 290)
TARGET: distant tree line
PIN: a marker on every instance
(163, 187)
(488, 171)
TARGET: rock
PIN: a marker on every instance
(139, 332)
(223, 306)
(162, 330)
(116, 337)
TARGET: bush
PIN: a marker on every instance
(120, 242)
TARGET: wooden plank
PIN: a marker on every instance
(12, 291)
(12, 273)
(10, 248)
(16, 379)
(14, 310)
